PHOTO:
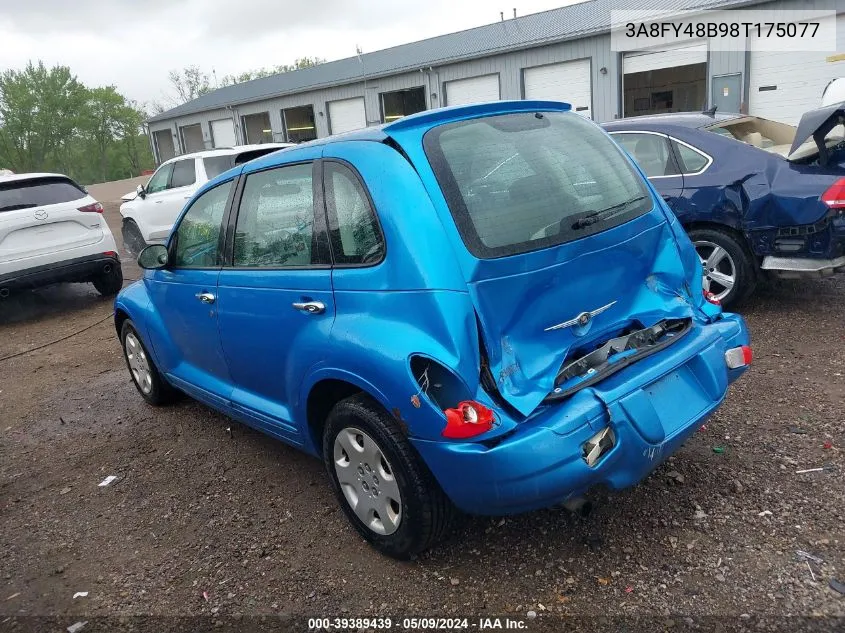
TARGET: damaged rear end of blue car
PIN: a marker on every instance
(592, 353)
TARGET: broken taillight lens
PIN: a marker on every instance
(92, 208)
(834, 197)
(711, 298)
(468, 419)
(739, 357)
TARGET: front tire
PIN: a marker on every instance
(109, 283)
(384, 488)
(145, 375)
(728, 268)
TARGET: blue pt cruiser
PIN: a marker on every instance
(484, 308)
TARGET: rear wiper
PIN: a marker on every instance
(595, 216)
(15, 207)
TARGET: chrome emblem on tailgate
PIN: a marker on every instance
(582, 319)
(41, 214)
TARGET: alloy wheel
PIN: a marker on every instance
(367, 481)
(719, 269)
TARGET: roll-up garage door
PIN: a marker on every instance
(785, 84)
(347, 114)
(472, 90)
(223, 133)
(192, 138)
(567, 81)
(641, 61)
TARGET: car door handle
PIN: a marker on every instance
(159, 201)
(205, 297)
(311, 307)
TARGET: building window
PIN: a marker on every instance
(299, 124)
(257, 128)
(395, 105)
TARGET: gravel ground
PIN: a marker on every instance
(201, 523)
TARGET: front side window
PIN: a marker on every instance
(160, 179)
(184, 173)
(650, 151)
(197, 240)
(355, 234)
(275, 226)
(524, 181)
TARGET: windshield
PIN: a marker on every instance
(520, 182)
(37, 192)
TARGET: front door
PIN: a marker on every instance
(726, 93)
(275, 294)
(163, 205)
(185, 295)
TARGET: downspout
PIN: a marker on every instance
(236, 122)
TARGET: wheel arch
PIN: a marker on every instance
(733, 230)
(322, 392)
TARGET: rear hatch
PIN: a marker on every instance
(566, 246)
(41, 214)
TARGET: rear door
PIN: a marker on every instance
(652, 151)
(42, 215)
(275, 292)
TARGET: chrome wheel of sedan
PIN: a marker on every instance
(139, 364)
(367, 481)
(719, 269)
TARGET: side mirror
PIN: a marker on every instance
(153, 257)
(142, 193)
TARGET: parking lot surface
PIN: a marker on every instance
(209, 517)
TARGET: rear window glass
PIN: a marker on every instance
(216, 165)
(520, 182)
(38, 192)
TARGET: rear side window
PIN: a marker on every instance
(275, 226)
(650, 151)
(692, 161)
(216, 165)
(25, 194)
(184, 174)
(355, 234)
(520, 182)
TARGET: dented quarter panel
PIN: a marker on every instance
(753, 191)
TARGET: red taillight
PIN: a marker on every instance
(711, 298)
(468, 419)
(92, 208)
(834, 197)
(110, 254)
(739, 357)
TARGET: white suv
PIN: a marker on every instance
(52, 231)
(149, 213)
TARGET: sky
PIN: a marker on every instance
(133, 44)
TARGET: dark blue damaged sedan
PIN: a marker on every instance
(758, 198)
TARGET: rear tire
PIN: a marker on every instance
(145, 375)
(109, 284)
(730, 274)
(404, 509)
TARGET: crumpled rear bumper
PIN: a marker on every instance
(652, 407)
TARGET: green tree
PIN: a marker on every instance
(101, 124)
(302, 62)
(39, 115)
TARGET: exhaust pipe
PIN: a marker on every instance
(107, 269)
(4, 292)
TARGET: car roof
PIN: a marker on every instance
(677, 119)
(32, 176)
(229, 151)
